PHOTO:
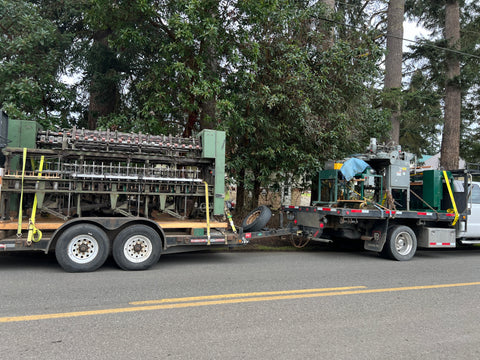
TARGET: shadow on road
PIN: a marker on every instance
(28, 261)
(35, 261)
(47, 262)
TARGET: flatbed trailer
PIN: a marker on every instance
(375, 228)
(390, 205)
(86, 194)
(176, 233)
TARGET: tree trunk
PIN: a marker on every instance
(240, 200)
(328, 26)
(256, 193)
(192, 118)
(453, 101)
(104, 92)
(208, 105)
(393, 62)
(208, 113)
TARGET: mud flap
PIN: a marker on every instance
(379, 237)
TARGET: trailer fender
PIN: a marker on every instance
(378, 237)
(111, 225)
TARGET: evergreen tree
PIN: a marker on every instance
(450, 63)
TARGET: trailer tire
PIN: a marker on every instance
(82, 248)
(401, 243)
(257, 219)
(137, 247)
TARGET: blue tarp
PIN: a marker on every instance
(353, 166)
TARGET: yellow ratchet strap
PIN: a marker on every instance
(208, 212)
(32, 230)
(19, 228)
(230, 220)
(451, 198)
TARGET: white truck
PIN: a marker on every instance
(470, 234)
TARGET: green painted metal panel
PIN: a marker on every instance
(198, 232)
(3, 129)
(219, 199)
(328, 174)
(433, 188)
(22, 133)
(213, 147)
(208, 143)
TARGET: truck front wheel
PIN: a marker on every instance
(401, 243)
(82, 248)
(137, 247)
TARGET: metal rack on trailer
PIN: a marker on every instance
(86, 194)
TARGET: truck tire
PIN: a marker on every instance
(82, 248)
(137, 247)
(401, 243)
(257, 219)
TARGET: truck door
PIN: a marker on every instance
(473, 221)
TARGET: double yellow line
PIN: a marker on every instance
(209, 300)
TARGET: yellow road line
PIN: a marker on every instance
(224, 301)
(229, 296)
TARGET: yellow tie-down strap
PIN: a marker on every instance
(451, 198)
(34, 234)
(20, 206)
(208, 212)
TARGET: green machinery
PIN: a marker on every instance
(431, 190)
(78, 172)
(333, 187)
(387, 183)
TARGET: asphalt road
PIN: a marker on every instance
(323, 304)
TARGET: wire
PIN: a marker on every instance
(437, 47)
(402, 38)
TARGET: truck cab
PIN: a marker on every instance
(472, 228)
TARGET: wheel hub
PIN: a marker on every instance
(403, 243)
(137, 247)
(83, 248)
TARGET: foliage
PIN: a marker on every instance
(429, 57)
(291, 85)
(31, 58)
(300, 103)
(169, 47)
(421, 117)
(277, 91)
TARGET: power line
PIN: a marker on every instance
(436, 47)
(404, 39)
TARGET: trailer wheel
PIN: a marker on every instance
(137, 247)
(82, 248)
(257, 219)
(401, 243)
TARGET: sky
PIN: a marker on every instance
(410, 31)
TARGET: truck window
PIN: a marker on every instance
(476, 194)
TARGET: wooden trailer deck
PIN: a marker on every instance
(52, 225)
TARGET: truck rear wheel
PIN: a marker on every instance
(82, 248)
(401, 243)
(137, 247)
